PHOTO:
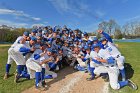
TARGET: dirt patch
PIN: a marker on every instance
(69, 81)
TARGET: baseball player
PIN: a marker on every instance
(113, 50)
(110, 67)
(93, 62)
(36, 67)
(33, 33)
(83, 60)
(17, 55)
(86, 37)
(19, 40)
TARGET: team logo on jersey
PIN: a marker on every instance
(109, 49)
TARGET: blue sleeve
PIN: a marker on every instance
(36, 56)
(84, 59)
(107, 37)
(85, 54)
(18, 42)
(97, 62)
(23, 49)
(101, 45)
(110, 60)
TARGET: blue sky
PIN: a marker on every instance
(82, 14)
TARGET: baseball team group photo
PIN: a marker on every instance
(69, 46)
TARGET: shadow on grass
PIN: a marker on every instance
(128, 71)
(11, 75)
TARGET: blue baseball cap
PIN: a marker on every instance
(102, 39)
(89, 42)
(34, 31)
(95, 39)
(86, 47)
(85, 33)
(33, 38)
(49, 50)
(95, 45)
(26, 33)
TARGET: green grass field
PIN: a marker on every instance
(8, 86)
(129, 50)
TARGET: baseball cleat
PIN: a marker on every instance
(43, 83)
(89, 79)
(75, 67)
(132, 85)
(39, 86)
(86, 71)
(16, 77)
(6, 76)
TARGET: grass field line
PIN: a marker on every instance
(71, 83)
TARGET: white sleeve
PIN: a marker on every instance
(93, 54)
(104, 54)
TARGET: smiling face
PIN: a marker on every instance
(87, 51)
(95, 41)
(104, 42)
(32, 42)
(96, 49)
(33, 33)
(49, 53)
(25, 37)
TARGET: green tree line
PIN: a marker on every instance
(10, 35)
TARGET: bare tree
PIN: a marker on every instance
(108, 26)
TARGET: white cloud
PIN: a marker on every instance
(19, 14)
(13, 24)
(133, 18)
(76, 7)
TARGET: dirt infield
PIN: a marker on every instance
(69, 81)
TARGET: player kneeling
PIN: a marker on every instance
(37, 70)
(110, 67)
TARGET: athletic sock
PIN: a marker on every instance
(123, 74)
(25, 69)
(25, 76)
(8, 66)
(43, 73)
(37, 78)
(80, 68)
(92, 72)
(48, 76)
(123, 83)
(19, 69)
